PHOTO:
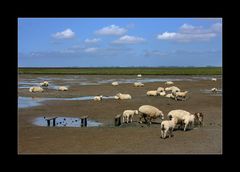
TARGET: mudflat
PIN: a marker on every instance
(132, 138)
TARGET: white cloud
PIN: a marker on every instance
(129, 40)
(90, 50)
(66, 34)
(188, 33)
(94, 40)
(111, 30)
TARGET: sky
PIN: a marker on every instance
(119, 42)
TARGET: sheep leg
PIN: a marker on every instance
(123, 119)
(186, 125)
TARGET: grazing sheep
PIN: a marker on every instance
(115, 83)
(188, 121)
(185, 117)
(62, 88)
(152, 93)
(167, 127)
(139, 75)
(138, 84)
(160, 89)
(44, 84)
(98, 98)
(214, 90)
(199, 118)
(128, 115)
(214, 79)
(149, 112)
(180, 94)
(123, 96)
(35, 89)
(169, 83)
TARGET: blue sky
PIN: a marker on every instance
(98, 42)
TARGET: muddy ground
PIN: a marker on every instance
(133, 138)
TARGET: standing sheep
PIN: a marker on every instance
(167, 127)
(172, 88)
(188, 121)
(128, 115)
(35, 89)
(149, 112)
(180, 94)
(199, 118)
(45, 84)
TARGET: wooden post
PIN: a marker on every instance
(54, 122)
(117, 120)
(84, 121)
(48, 122)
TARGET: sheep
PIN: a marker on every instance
(152, 93)
(170, 96)
(128, 115)
(199, 118)
(160, 89)
(139, 75)
(214, 90)
(172, 88)
(214, 79)
(35, 89)
(115, 83)
(185, 117)
(138, 84)
(45, 84)
(167, 127)
(149, 112)
(123, 96)
(169, 83)
(180, 94)
(98, 98)
(62, 88)
(163, 93)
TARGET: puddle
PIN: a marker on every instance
(24, 102)
(65, 122)
(209, 91)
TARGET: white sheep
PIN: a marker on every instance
(138, 84)
(149, 112)
(160, 89)
(167, 127)
(128, 115)
(214, 90)
(163, 93)
(152, 93)
(45, 84)
(123, 96)
(139, 75)
(183, 117)
(98, 98)
(169, 96)
(169, 83)
(180, 94)
(214, 79)
(35, 89)
(62, 88)
(199, 118)
(172, 88)
(115, 83)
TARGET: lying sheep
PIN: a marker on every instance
(98, 98)
(178, 95)
(139, 75)
(149, 112)
(214, 90)
(170, 96)
(152, 93)
(167, 127)
(172, 88)
(45, 84)
(62, 88)
(115, 83)
(123, 96)
(138, 84)
(128, 115)
(214, 79)
(35, 89)
(169, 83)
(163, 93)
(160, 89)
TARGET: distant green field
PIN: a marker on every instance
(125, 71)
